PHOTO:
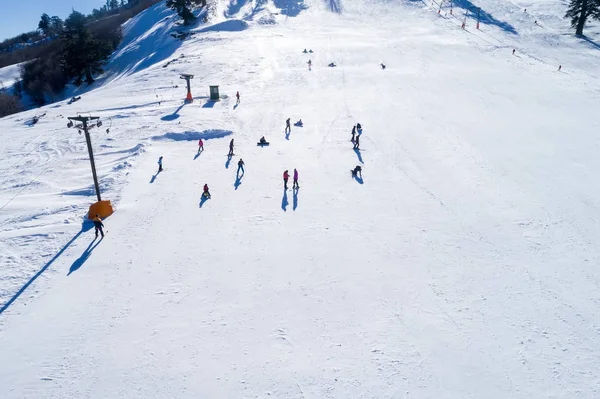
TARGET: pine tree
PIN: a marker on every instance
(113, 5)
(580, 11)
(56, 25)
(82, 54)
(183, 8)
(44, 24)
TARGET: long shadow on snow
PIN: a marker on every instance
(357, 151)
(228, 161)
(238, 181)
(154, 177)
(193, 136)
(590, 41)
(203, 199)
(334, 6)
(84, 256)
(295, 198)
(86, 226)
(174, 115)
(290, 8)
(236, 5)
(359, 179)
(484, 17)
(284, 201)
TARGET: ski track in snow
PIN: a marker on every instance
(463, 266)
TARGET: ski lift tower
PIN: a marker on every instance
(188, 77)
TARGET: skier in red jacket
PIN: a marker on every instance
(286, 176)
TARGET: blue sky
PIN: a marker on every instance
(20, 16)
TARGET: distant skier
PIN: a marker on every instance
(356, 171)
(206, 193)
(200, 145)
(262, 140)
(514, 51)
(237, 96)
(286, 176)
(240, 166)
(359, 128)
(357, 142)
(98, 225)
(382, 65)
(305, 51)
(309, 64)
(160, 164)
(353, 134)
(230, 148)
(288, 128)
(332, 64)
(295, 185)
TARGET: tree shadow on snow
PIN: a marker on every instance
(228, 161)
(236, 5)
(484, 17)
(284, 201)
(84, 256)
(590, 41)
(86, 226)
(290, 8)
(357, 151)
(295, 198)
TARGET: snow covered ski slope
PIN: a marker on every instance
(464, 264)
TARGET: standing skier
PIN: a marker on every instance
(200, 145)
(286, 176)
(237, 96)
(353, 133)
(295, 185)
(230, 148)
(240, 166)
(357, 142)
(356, 171)
(160, 164)
(98, 225)
(206, 193)
(288, 128)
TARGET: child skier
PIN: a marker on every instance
(206, 193)
(160, 164)
(286, 176)
(240, 166)
(295, 185)
(98, 225)
(230, 148)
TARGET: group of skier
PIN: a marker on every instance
(286, 177)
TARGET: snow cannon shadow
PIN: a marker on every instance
(357, 151)
(84, 256)
(174, 115)
(231, 25)
(484, 17)
(290, 8)
(193, 136)
(86, 226)
(334, 6)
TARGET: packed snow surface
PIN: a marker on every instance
(464, 263)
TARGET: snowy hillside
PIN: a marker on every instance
(8, 75)
(464, 263)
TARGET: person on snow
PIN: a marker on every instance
(359, 128)
(200, 145)
(286, 176)
(295, 185)
(357, 142)
(382, 65)
(353, 134)
(98, 225)
(332, 64)
(305, 51)
(206, 193)
(240, 166)
(262, 140)
(299, 123)
(230, 148)
(237, 96)
(160, 164)
(288, 128)
(309, 63)
(356, 171)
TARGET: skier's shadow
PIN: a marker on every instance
(358, 178)
(238, 181)
(236, 105)
(295, 198)
(287, 135)
(228, 161)
(203, 199)
(284, 201)
(154, 177)
(198, 154)
(84, 256)
(357, 151)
